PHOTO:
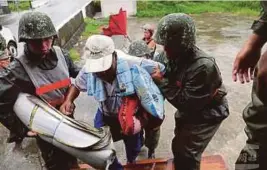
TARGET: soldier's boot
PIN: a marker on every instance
(151, 154)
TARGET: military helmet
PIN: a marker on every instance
(138, 48)
(35, 25)
(176, 28)
(2, 46)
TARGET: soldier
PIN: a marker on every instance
(8, 119)
(4, 53)
(139, 48)
(42, 70)
(253, 155)
(192, 84)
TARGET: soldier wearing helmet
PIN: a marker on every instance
(139, 48)
(4, 53)
(43, 70)
(193, 84)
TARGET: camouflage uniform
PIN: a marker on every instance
(8, 119)
(2, 45)
(14, 79)
(193, 85)
(253, 155)
(3, 48)
(139, 48)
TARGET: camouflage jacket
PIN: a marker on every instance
(255, 113)
(14, 80)
(194, 87)
(260, 26)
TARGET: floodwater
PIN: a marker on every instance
(219, 35)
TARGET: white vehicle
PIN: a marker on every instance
(10, 40)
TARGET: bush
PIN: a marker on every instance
(161, 8)
(21, 6)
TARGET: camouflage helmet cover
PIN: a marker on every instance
(35, 25)
(2, 45)
(138, 48)
(176, 28)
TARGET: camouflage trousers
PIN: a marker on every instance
(152, 138)
(54, 158)
(253, 156)
(190, 141)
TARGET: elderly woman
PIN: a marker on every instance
(148, 37)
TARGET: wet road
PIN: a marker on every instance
(58, 10)
(221, 36)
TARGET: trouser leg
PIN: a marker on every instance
(133, 146)
(55, 158)
(190, 142)
(152, 140)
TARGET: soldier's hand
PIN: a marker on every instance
(156, 74)
(31, 134)
(247, 58)
(244, 64)
(67, 108)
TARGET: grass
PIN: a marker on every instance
(92, 26)
(21, 6)
(161, 8)
(74, 54)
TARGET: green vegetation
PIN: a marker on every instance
(161, 8)
(20, 6)
(74, 54)
(92, 26)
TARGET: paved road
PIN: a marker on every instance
(60, 11)
(27, 157)
(220, 36)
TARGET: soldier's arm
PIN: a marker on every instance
(195, 92)
(249, 55)
(13, 80)
(262, 78)
(73, 68)
(259, 26)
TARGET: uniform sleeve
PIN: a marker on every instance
(73, 68)
(13, 80)
(81, 80)
(260, 26)
(195, 92)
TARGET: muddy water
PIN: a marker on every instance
(221, 36)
